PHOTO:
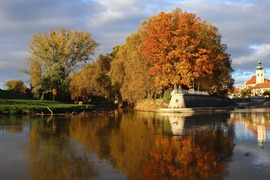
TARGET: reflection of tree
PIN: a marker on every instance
(52, 156)
(12, 124)
(93, 132)
(189, 157)
(135, 144)
(14, 129)
(122, 140)
(130, 147)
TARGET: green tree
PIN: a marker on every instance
(246, 92)
(62, 51)
(266, 93)
(54, 78)
(16, 86)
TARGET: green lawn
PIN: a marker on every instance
(29, 106)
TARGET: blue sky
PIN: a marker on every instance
(244, 25)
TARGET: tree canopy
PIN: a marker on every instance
(54, 55)
(174, 48)
(184, 50)
(93, 80)
(16, 86)
(129, 70)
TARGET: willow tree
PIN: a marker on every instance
(54, 55)
(184, 50)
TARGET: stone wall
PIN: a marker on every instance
(191, 100)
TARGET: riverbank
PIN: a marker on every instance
(39, 107)
(150, 105)
(161, 106)
(26, 106)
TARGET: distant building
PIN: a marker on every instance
(257, 84)
(235, 94)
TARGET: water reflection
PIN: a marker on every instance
(136, 145)
(52, 155)
(251, 152)
(177, 121)
(257, 122)
(202, 152)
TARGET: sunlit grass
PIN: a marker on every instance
(23, 106)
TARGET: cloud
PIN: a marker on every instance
(259, 52)
(243, 24)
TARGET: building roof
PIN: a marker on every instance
(251, 81)
(259, 67)
(266, 80)
(262, 85)
(236, 90)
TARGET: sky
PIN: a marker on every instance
(244, 25)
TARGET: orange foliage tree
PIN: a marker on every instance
(184, 50)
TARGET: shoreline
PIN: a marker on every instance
(236, 106)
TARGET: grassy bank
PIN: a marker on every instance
(28, 106)
(150, 104)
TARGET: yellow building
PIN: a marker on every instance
(257, 84)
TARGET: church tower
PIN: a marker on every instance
(259, 73)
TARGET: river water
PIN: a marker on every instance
(137, 145)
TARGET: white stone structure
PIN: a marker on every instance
(177, 101)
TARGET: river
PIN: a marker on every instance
(137, 145)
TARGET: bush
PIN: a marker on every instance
(166, 96)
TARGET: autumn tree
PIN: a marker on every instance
(117, 71)
(93, 80)
(130, 68)
(54, 55)
(102, 78)
(16, 86)
(184, 50)
(81, 84)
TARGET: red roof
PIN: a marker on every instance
(262, 85)
(266, 80)
(236, 90)
(251, 81)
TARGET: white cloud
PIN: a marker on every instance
(118, 4)
(243, 25)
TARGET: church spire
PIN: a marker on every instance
(259, 67)
(259, 73)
